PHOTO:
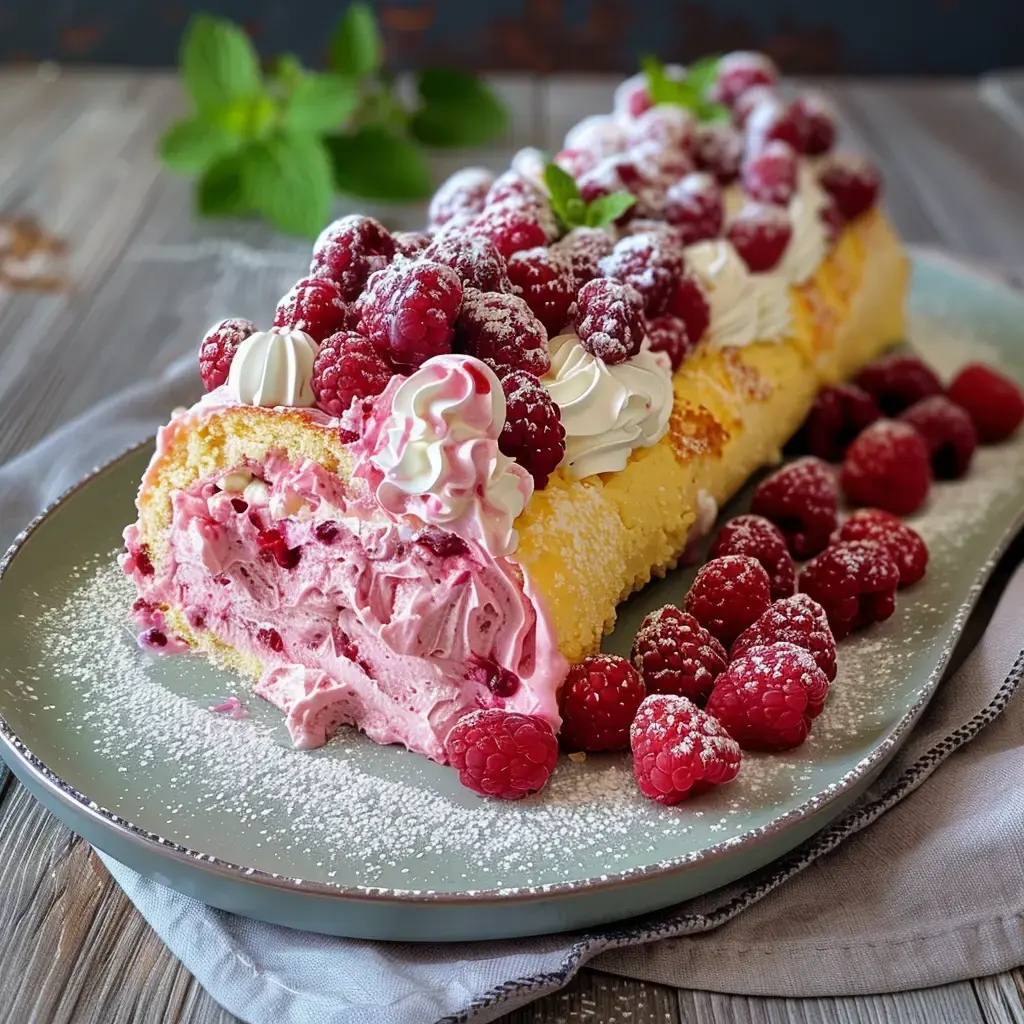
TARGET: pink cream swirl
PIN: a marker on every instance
(432, 439)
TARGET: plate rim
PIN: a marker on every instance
(13, 748)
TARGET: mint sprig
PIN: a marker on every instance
(573, 211)
(280, 144)
(689, 92)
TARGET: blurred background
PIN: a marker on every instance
(913, 37)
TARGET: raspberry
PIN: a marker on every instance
(632, 97)
(441, 542)
(767, 699)
(576, 161)
(533, 434)
(270, 637)
(409, 310)
(650, 263)
(668, 334)
(675, 654)
(349, 250)
(906, 547)
(897, 381)
(949, 432)
(609, 320)
(888, 467)
(618, 173)
(855, 582)
(511, 185)
(661, 167)
(740, 71)
(217, 349)
(819, 121)
(729, 594)
(410, 243)
(473, 257)
(313, 305)
(760, 233)
(838, 415)
(694, 205)
(770, 121)
(599, 134)
(545, 282)
(600, 698)
(690, 304)
(800, 499)
(679, 750)
(993, 402)
(586, 248)
(770, 176)
(510, 227)
(347, 366)
(501, 753)
(460, 197)
(272, 543)
(665, 126)
(718, 149)
(797, 620)
(502, 329)
(757, 537)
(853, 182)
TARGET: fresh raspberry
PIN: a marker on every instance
(501, 753)
(609, 320)
(675, 654)
(800, 499)
(760, 233)
(855, 582)
(668, 334)
(599, 134)
(650, 263)
(460, 197)
(503, 330)
(797, 620)
(349, 250)
(689, 302)
(313, 305)
(740, 71)
(443, 543)
(410, 243)
(473, 257)
(533, 434)
(838, 415)
(770, 175)
(994, 402)
(217, 349)
(906, 547)
(767, 699)
(272, 544)
(661, 167)
(888, 467)
(819, 121)
(948, 430)
(576, 162)
(632, 97)
(409, 310)
(718, 149)
(586, 248)
(729, 594)
(679, 750)
(665, 126)
(545, 281)
(897, 381)
(600, 698)
(772, 120)
(510, 227)
(514, 186)
(347, 366)
(763, 540)
(694, 205)
(854, 182)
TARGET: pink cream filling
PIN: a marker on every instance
(357, 619)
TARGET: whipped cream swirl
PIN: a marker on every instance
(274, 368)
(607, 410)
(808, 247)
(732, 297)
(437, 448)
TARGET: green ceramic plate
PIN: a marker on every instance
(362, 840)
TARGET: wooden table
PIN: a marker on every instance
(77, 151)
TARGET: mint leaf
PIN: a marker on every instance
(247, 117)
(356, 47)
(715, 113)
(218, 62)
(287, 178)
(456, 109)
(607, 209)
(702, 74)
(220, 191)
(660, 87)
(564, 193)
(691, 92)
(288, 71)
(320, 103)
(376, 163)
(188, 146)
(575, 212)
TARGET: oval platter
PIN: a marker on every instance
(368, 841)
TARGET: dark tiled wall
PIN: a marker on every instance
(890, 36)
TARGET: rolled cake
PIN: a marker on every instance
(392, 567)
